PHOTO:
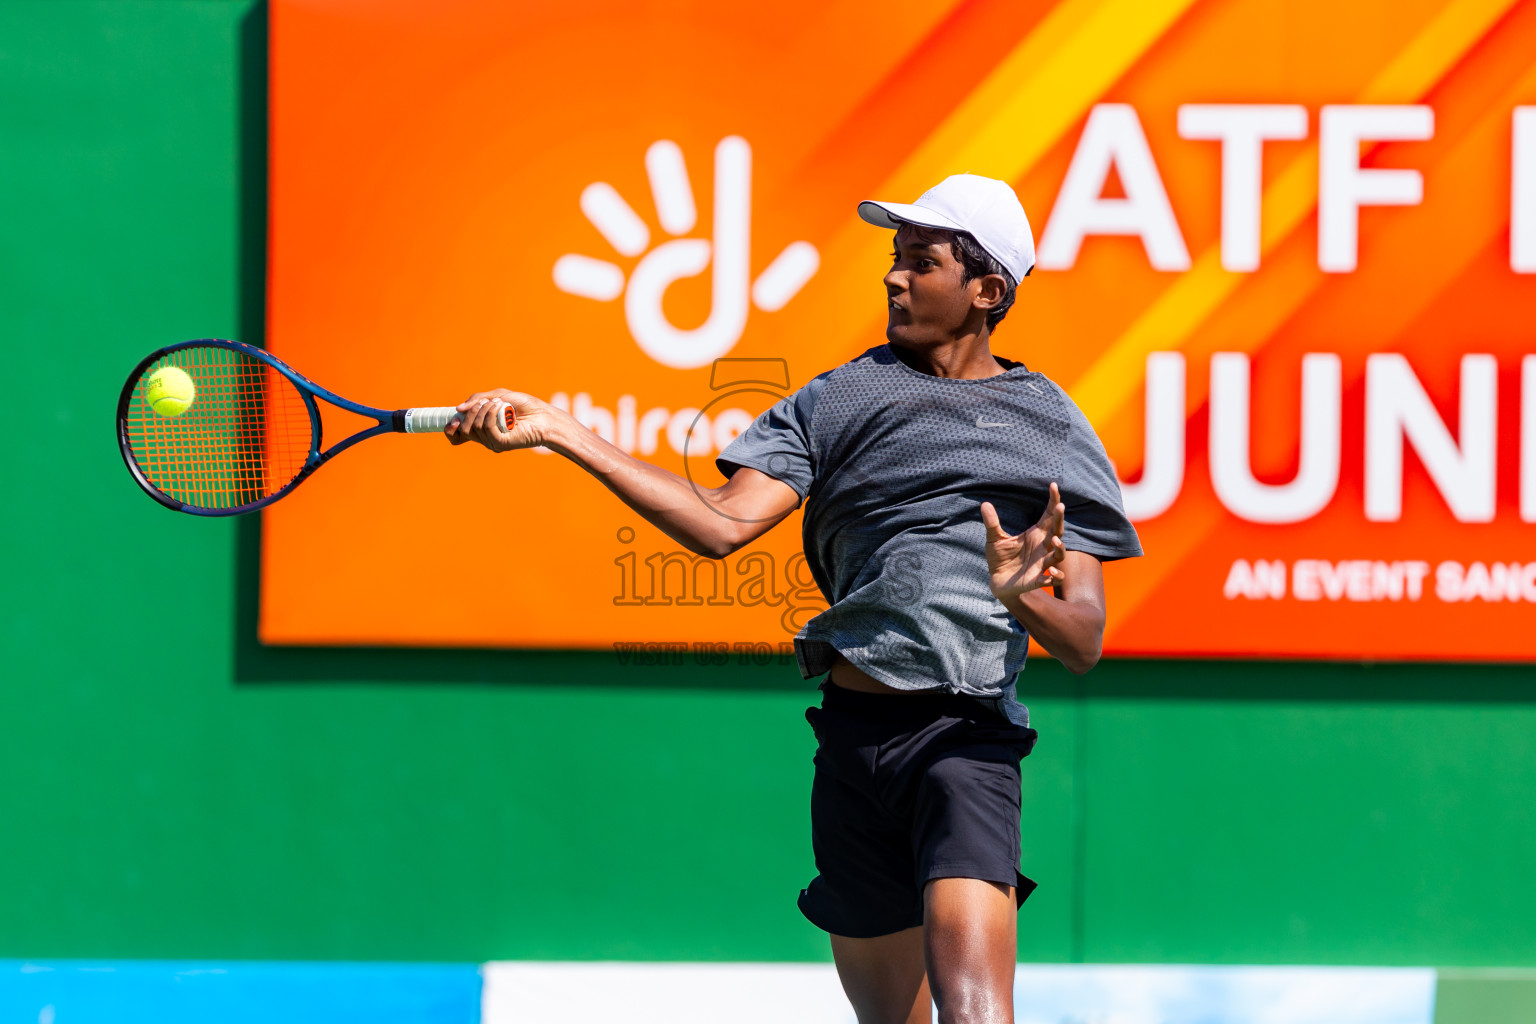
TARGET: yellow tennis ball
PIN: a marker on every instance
(169, 391)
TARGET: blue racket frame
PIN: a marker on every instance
(390, 421)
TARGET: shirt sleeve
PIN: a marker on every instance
(1095, 517)
(778, 442)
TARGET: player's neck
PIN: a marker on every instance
(968, 357)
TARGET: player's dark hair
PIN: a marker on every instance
(977, 262)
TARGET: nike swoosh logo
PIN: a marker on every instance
(983, 423)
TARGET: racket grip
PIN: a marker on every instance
(431, 419)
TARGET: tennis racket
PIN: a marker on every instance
(251, 433)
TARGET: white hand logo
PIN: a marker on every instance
(617, 221)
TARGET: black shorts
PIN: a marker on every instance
(908, 788)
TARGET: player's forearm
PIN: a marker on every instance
(662, 498)
(1073, 631)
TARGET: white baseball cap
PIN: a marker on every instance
(984, 208)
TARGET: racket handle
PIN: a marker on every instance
(432, 419)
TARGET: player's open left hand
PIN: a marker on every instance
(481, 419)
(1026, 561)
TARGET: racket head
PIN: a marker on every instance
(250, 435)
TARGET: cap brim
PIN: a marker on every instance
(894, 215)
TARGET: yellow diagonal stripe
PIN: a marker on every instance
(1037, 92)
(1044, 86)
(1170, 321)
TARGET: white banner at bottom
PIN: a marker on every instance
(531, 992)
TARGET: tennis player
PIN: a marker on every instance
(956, 504)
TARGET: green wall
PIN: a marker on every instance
(174, 790)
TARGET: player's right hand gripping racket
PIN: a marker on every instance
(217, 428)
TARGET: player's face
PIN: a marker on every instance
(926, 304)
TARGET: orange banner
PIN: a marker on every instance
(1287, 268)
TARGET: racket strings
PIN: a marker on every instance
(245, 436)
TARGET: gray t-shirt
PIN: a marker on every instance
(893, 465)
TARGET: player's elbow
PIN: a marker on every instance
(730, 536)
(1081, 662)
(1085, 654)
(716, 551)
(722, 543)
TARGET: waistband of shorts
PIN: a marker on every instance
(900, 706)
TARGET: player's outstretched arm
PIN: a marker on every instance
(1056, 594)
(710, 521)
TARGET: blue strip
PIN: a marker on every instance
(252, 992)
